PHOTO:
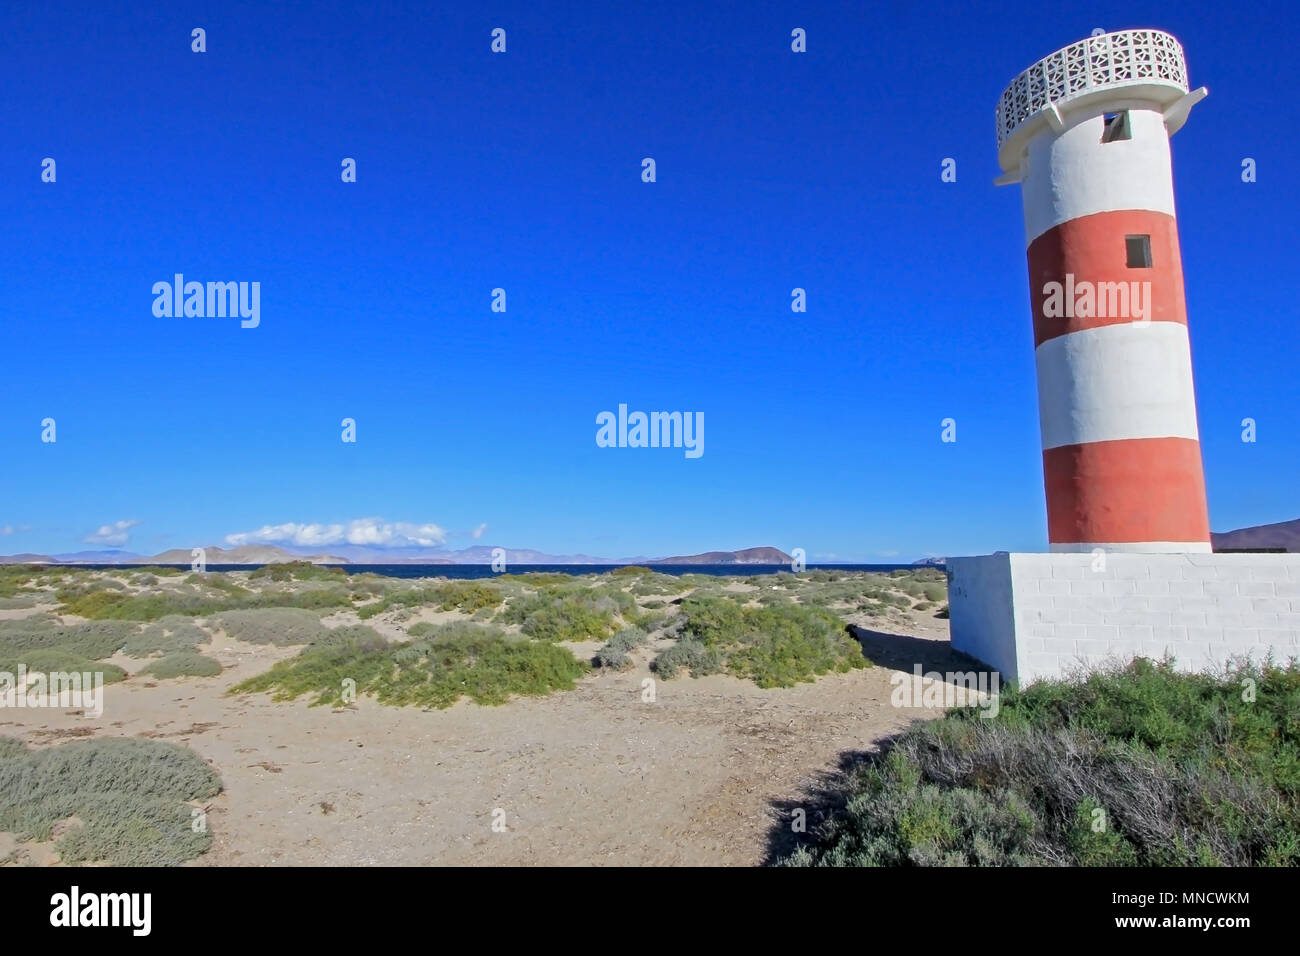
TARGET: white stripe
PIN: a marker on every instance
(1132, 380)
(1142, 547)
(1075, 174)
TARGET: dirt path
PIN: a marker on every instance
(593, 776)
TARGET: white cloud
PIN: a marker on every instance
(478, 532)
(371, 532)
(114, 534)
(7, 529)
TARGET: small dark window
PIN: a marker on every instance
(1116, 128)
(1138, 249)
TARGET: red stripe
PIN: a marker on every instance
(1092, 248)
(1137, 489)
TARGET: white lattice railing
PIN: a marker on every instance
(1110, 59)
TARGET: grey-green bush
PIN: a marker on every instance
(614, 654)
(281, 627)
(130, 794)
(167, 635)
(183, 664)
(689, 655)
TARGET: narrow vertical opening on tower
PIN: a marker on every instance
(1138, 251)
(1116, 127)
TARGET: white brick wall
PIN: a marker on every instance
(1032, 616)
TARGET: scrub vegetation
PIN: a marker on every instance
(437, 640)
(120, 801)
(456, 660)
(1133, 766)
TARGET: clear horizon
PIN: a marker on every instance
(522, 171)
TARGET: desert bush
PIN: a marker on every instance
(464, 596)
(552, 616)
(89, 640)
(298, 571)
(645, 620)
(772, 646)
(614, 653)
(458, 660)
(539, 579)
(658, 584)
(1185, 771)
(183, 664)
(688, 655)
(80, 586)
(129, 794)
(168, 635)
(108, 605)
(45, 660)
(281, 627)
(17, 577)
(221, 583)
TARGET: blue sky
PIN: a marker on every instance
(522, 171)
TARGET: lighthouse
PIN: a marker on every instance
(1085, 132)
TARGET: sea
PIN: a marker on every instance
(472, 571)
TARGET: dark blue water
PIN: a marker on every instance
(468, 571)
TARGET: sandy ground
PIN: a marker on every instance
(708, 773)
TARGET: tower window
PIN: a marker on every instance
(1116, 127)
(1138, 249)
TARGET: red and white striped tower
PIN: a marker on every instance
(1086, 132)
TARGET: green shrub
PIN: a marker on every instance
(168, 635)
(539, 579)
(630, 571)
(614, 654)
(150, 607)
(298, 571)
(645, 620)
(1183, 771)
(772, 646)
(17, 577)
(129, 794)
(465, 596)
(457, 660)
(183, 664)
(45, 660)
(89, 639)
(281, 627)
(551, 617)
(688, 655)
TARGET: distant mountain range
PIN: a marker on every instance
(1283, 534)
(480, 554)
(747, 556)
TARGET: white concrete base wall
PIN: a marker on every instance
(1035, 616)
